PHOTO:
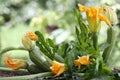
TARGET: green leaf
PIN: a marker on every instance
(40, 37)
(50, 42)
(44, 46)
(103, 69)
(69, 60)
(85, 27)
(82, 26)
(94, 53)
(78, 34)
(78, 15)
(62, 49)
(70, 57)
(52, 45)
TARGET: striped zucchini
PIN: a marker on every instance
(40, 59)
(33, 69)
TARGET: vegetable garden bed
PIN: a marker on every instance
(80, 59)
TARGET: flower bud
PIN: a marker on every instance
(15, 63)
(27, 42)
(110, 14)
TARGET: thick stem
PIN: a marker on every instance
(26, 77)
(11, 70)
(111, 42)
(11, 48)
(95, 40)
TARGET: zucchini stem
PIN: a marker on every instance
(95, 40)
(26, 77)
(111, 42)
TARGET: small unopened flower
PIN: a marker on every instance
(57, 68)
(110, 14)
(84, 60)
(15, 63)
(94, 17)
(27, 40)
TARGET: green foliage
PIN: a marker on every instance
(46, 46)
(70, 57)
(74, 49)
(62, 49)
(84, 37)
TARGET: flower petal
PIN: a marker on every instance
(32, 36)
(57, 68)
(14, 63)
(103, 18)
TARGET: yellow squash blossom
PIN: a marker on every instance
(15, 63)
(27, 40)
(57, 68)
(84, 60)
(94, 16)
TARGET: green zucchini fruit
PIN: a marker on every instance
(40, 59)
(33, 69)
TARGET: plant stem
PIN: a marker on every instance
(95, 40)
(11, 48)
(111, 42)
(26, 77)
(11, 70)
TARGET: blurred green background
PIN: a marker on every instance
(54, 18)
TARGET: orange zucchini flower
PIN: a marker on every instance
(84, 60)
(94, 17)
(57, 68)
(27, 40)
(32, 36)
(77, 62)
(15, 63)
